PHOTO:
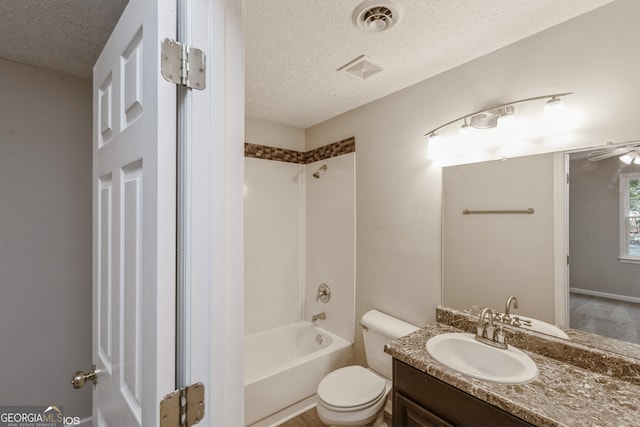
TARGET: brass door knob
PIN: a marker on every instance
(80, 378)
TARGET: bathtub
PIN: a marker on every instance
(285, 365)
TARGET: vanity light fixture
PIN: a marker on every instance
(501, 114)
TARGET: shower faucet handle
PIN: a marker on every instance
(324, 293)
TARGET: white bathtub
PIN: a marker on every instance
(285, 365)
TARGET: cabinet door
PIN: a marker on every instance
(409, 414)
(434, 396)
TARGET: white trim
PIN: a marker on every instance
(184, 220)
(605, 295)
(623, 194)
(629, 260)
(302, 258)
(560, 238)
(214, 211)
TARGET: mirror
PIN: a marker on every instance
(500, 250)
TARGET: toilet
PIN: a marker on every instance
(357, 396)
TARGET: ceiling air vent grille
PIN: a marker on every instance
(361, 67)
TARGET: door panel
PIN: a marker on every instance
(104, 332)
(130, 333)
(134, 219)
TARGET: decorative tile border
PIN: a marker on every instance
(291, 156)
(272, 153)
(332, 150)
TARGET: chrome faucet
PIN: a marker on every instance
(506, 318)
(486, 330)
(487, 333)
(319, 316)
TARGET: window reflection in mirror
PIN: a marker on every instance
(630, 216)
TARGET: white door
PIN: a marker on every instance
(134, 133)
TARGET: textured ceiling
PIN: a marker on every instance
(294, 47)
(62, 35)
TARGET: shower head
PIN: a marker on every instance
(316, 175)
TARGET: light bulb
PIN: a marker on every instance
(505, 121)
(553, 106)
(465, 129)
(636, 160)
(434, 147)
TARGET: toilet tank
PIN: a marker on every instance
(379, 329)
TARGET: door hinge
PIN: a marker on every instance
(183, 65)
(183, 407)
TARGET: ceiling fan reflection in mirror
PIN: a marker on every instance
(627, 153)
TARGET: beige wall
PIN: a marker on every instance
(487, 258)
(263, 132)
(45, 237)
(398, 191)
(397, 210)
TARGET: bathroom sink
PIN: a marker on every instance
(461, 352)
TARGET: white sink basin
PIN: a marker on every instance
(461, 352)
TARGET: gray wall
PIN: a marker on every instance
(45, 237)
(398, 191)
(594, 218)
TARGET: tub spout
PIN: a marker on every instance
(319, 316)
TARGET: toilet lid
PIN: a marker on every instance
(351, 386)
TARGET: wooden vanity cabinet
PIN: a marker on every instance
(422, 400)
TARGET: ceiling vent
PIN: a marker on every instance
(376, 16)
(361, 67)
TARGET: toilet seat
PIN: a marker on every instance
(350, 389)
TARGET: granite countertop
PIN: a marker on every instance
(562, 395)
